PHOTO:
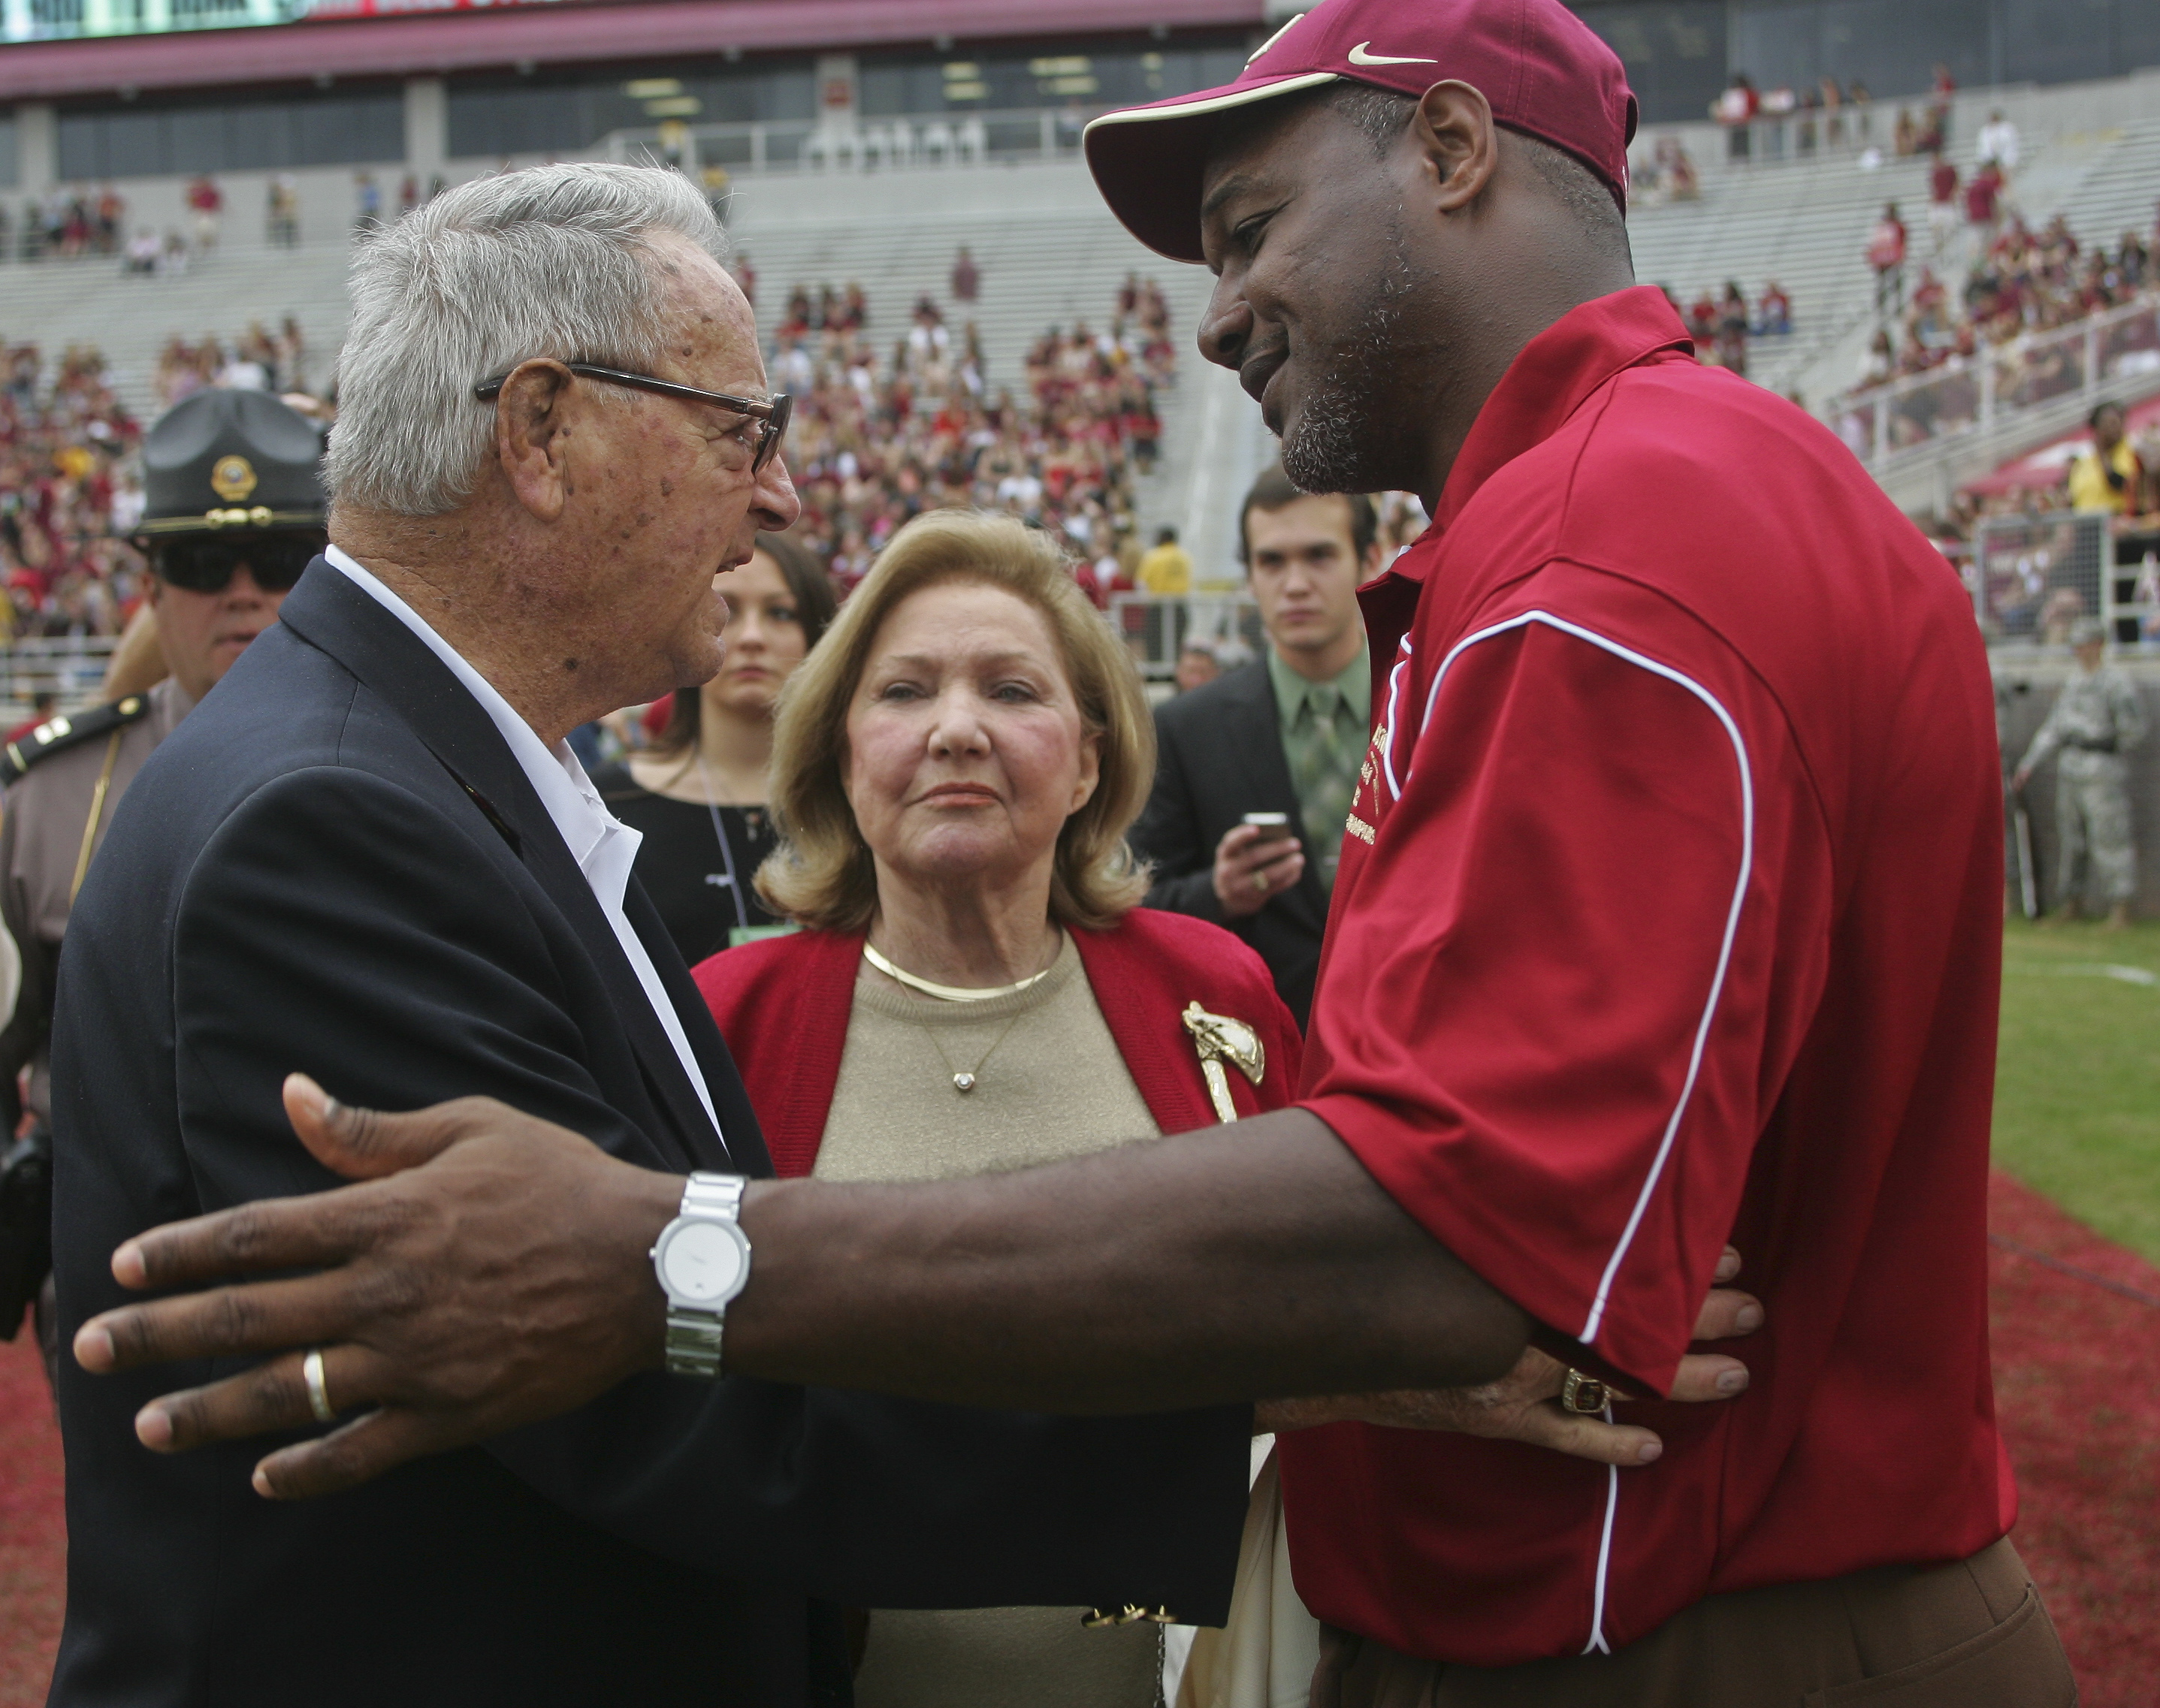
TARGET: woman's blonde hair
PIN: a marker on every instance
(821, 874)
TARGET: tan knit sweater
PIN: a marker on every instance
(1050, 1085)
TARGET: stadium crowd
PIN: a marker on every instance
(68, 494)
(878, 440)
(2024, 282)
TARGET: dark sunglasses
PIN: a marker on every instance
(275, 561)
(770, 414)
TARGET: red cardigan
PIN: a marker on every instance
(782, 1004)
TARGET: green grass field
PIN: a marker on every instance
(2077, 1092)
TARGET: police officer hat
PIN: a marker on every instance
(222, 460)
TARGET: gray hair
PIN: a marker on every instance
(550, 261)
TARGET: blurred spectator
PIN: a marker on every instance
(1196, 666)
(1732, 349)
(2105, 475)
(1701, 319)
(1668, 174)
(967, 279)
(746, 279)
(409, 195)
(1735, 110)
(281, 226)
(1167, 567)
(1981, 192)
(1942, 200)
(142, 251)
(207, 203)
(1775, 312)
(1886, 254)
(1880, 362)
(368, 201)
(1996, 145)
(112, 211)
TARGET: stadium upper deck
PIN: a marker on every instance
(132, 89)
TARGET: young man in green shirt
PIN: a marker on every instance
(1285, 735)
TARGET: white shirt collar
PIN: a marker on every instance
(603, 846)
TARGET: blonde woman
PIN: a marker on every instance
(954, 770)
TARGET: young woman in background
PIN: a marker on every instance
(698, 794)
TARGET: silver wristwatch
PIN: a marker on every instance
(702, 1260)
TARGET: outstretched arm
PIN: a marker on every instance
(1214, 1264)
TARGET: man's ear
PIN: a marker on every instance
(532, 428)
(1454, 132)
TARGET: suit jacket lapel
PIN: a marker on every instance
(744, 1140)
(329, 611)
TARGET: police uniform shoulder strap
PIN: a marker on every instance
(57, 735)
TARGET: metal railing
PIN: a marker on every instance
(2034, 578)
(71, 666)
(1155, 627)
(860, 145)
(1972, 395)
(1807, 133)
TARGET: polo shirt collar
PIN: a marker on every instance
(1552, 376)
(1354, 683)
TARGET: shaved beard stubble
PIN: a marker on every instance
(1344, 439)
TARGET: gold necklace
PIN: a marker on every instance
(963, 1079)
(949, 993)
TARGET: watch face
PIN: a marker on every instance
(704, 1262)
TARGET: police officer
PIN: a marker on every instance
(2095, 720)
(233, 511)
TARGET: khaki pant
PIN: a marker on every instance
(1970, 1635)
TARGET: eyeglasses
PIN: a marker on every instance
(274, 561)
(771, 414)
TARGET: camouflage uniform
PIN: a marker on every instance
(2095, 720)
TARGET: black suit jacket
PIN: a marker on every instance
(337, 865)
(1221, 757)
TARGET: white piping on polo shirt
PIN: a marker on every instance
(601, 844)
(1589, 1334)
(1395, 689)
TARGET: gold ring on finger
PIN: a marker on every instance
(318, 1388)
(1584, 1395)
(1260, 882)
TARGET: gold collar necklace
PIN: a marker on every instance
(950, 993)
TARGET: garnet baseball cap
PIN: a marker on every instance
(1543, 69)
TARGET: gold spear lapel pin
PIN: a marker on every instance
(1218, 1039)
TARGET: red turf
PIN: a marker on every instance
(33, 1531)
(2077, 1384)
(2077, 1374)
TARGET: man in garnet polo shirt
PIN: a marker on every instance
(1669, 914)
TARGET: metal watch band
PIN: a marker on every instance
(694, 1336)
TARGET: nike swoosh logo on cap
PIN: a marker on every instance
(1359, 56)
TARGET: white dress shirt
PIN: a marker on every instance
(603, 846)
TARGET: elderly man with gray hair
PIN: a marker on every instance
(371, 856)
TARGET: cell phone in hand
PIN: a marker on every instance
(1279, 822)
